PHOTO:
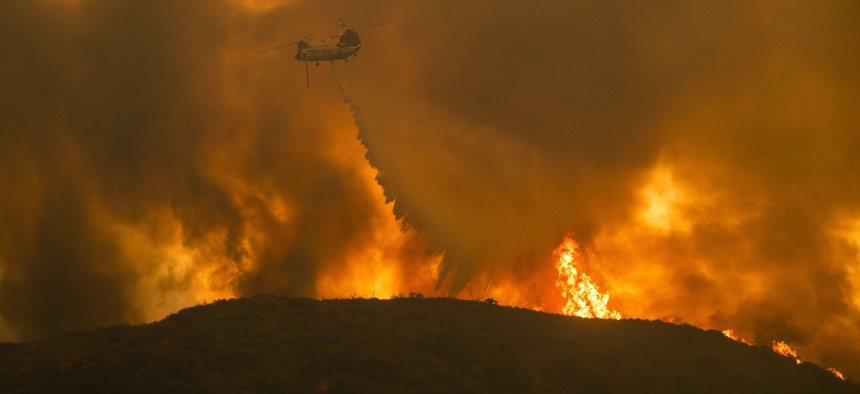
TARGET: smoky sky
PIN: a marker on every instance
(123, 121)
(496, 127)
(502, 125)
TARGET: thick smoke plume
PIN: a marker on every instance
(151, 159)
(704, 153)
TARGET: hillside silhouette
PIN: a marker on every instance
(422, 345)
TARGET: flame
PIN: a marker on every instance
(583, 297)
(505, 289)
(784, 350)
(664, 200)
(781, 348)
(731, 335)
(376, 269)
(836, 373)
(387, 259)
(172, 273)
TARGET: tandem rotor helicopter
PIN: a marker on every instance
(347, 45)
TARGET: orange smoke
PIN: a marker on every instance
(584, 299)
(385, 260)
(509, 286)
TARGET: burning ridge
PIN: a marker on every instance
(279, 344)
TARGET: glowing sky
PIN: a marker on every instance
(704, 153)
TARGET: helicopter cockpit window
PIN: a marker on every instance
(350, 38)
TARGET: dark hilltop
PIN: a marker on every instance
(412, 344)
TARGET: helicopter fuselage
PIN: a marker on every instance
(326, 52)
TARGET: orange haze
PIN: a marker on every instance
(705, 154)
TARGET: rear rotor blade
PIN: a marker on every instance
(279, 46)
(368, 27)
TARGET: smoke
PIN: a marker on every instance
(704, 154)
(152, 159)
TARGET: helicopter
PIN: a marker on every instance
(348, 45)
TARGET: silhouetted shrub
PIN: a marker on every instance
(114, 334)
(379, 368)
(428, 345)
(506, 376)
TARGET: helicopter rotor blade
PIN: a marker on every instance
(376, 25)
(280, 46)
(310, 37)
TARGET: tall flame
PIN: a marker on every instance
(583, 297)
(783, 349)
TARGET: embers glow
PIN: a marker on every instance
(836, 373)
(583, 297)
(783, 349)
(731, 335)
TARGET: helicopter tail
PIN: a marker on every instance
(301, 45)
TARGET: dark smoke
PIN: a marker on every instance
(496, 126)
(501, 125)
(127, 125)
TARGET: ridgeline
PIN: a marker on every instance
(406, 345)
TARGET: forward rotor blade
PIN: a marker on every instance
(378, 24)
(279, 46)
